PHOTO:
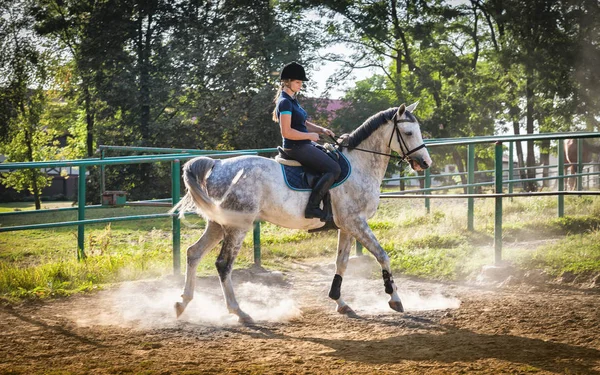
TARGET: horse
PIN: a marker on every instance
(232, 193)
(571, 161)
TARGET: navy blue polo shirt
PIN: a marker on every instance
(286, 105)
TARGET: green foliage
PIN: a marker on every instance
(434, 263)
(434, 218)
(578, 224)
(435, 241)
(578, 254)
(380, 224)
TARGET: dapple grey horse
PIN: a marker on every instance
(232, 193)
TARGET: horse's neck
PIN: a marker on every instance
(371, 164)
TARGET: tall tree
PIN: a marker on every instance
(428, 51)
(535, 46)
(23, 81)
(68, 22)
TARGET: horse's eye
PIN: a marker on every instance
(408, 134)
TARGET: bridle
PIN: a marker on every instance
(401, 142)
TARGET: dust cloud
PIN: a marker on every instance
(149, 305)
(363, 290)
(367, 296)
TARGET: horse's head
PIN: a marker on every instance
(406, 138)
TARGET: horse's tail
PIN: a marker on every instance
(195, 173)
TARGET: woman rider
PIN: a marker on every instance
(298, 137)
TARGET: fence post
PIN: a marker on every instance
(511, 167)
(498, 209)
(102, 173)
(359, 248)
(470, 187)
(256, 242)
(579, 164)
(561, 181)
(81, 213)
(427, 186)
(176, 223)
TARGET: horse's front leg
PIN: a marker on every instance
(362, 232)
(343, 253)
(231, 247)
(212, 235)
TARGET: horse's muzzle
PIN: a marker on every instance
(419, 164)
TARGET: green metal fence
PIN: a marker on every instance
(81, 221)
(175, 156)
(499, 182)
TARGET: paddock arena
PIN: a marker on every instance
(469, 328)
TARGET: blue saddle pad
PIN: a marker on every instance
(293, 175)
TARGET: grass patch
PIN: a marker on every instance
(541, 228)
(28, 206)
(577, 254)
(436, 245)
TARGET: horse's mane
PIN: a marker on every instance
(369, 126)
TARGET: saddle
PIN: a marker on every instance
(301, 179)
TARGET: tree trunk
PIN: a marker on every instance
(461, 168)
(545, 159)
(530, 186)
(144, 88)
(89, 118)
(519, 147)
(398, 37)
(34, 172)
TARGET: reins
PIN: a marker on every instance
(400, 139)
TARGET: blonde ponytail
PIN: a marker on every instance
(283, 83)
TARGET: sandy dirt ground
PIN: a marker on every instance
(130, 328)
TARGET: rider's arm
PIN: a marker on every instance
(312, 127)
(285, 123)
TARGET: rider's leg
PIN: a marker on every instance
(313, 158)
(321, 188)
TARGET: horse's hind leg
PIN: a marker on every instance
(343, 253)
(231, 247)
(212, 235)
(361, 231)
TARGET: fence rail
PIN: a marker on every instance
(175, 156)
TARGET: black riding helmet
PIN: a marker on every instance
(293, 70)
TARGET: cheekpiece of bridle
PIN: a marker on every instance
(401, 141)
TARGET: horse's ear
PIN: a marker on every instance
(411, 108)
(401, 110)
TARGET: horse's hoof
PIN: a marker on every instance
(396, 306)
(347, 310)
(179, 308)
(245, 319)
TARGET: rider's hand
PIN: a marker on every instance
(328, 132)
(313, 137)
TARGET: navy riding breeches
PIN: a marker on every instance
(314, 159)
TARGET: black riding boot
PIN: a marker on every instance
(318, 193)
